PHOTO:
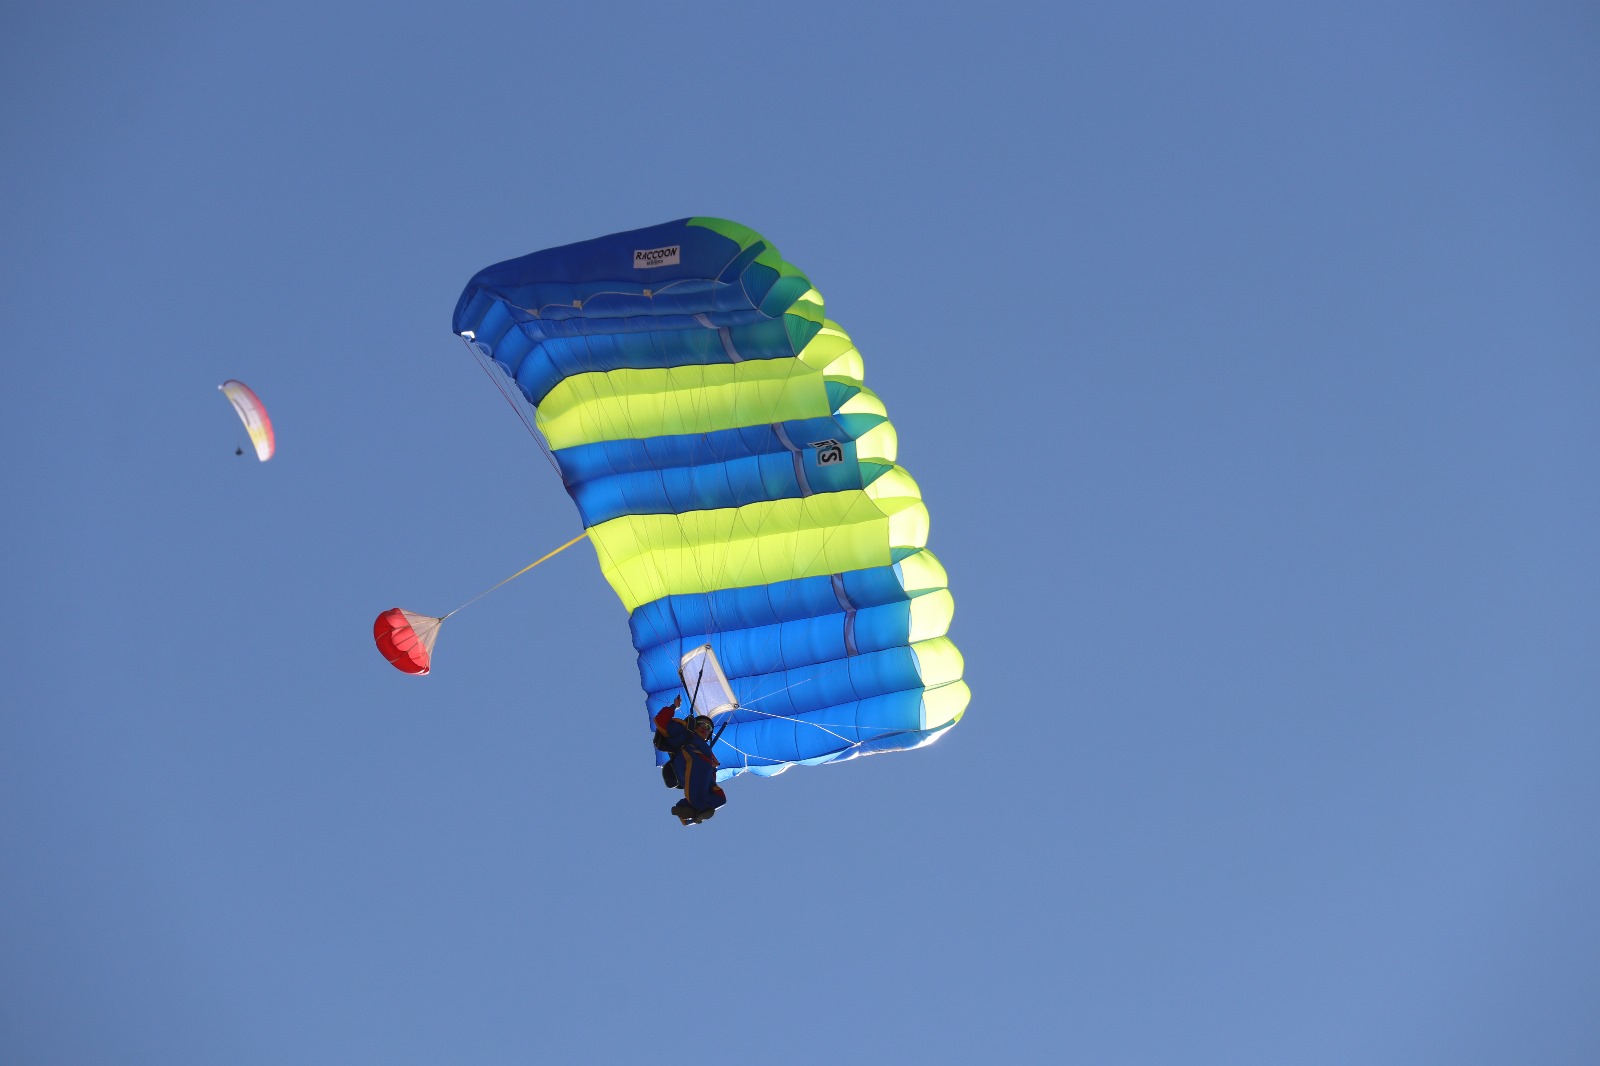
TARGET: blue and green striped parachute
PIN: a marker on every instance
(738, 482)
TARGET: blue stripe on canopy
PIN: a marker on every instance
(706, 471)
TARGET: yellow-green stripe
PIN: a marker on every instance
(646, 557)
(632, 404)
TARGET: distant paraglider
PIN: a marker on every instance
(253, 413)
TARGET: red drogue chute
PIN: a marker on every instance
(406, 639)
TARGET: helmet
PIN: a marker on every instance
(698, 722)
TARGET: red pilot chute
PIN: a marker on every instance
(406, 639)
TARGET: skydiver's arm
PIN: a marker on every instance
(665, 714)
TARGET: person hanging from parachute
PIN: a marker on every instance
(691, 765)
(740, 488)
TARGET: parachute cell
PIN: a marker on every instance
(253, 413)
(739, 484)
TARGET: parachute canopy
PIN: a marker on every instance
(254, 416)
(739, 484)
(406, 639)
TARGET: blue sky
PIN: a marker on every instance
(1246, 358)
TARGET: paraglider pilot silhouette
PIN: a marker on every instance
(690, 765)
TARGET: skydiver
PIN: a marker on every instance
(691, 765)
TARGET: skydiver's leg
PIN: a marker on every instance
(693, 779)
(700, 786)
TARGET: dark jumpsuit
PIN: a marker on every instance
(691, 765)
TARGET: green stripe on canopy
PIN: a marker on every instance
(635, 404)
(646, 557)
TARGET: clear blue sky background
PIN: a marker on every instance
(1248, 358)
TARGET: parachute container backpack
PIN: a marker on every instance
(738, 483)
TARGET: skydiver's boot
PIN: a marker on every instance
(683, 810)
